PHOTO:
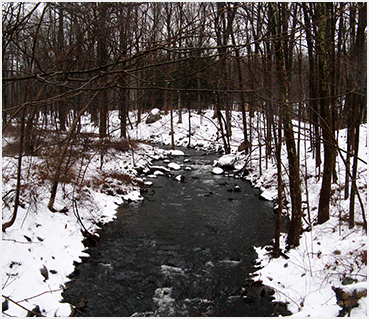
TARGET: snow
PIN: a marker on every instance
(163, 298)
(176, 153)
(174, 166)
(361, 286)
(217, 171)
(160, 168)
(307, 277)
(179, 178)
(326, 255)
(158, 173)
(41, 239)
(269, 194)
(169, 270)
(155, 111)
(227, 160)
(135, 195)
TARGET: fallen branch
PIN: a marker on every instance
(28, 311)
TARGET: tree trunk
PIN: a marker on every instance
(293, 239)
(123, 110)
(326, 121)
(314, 106)
(220, 122)
(55, 183)
(171, 129)
(102, 59)
(189, 124)
(62, 110)
(19, 171)
(242, 98)
(359, 104)
(294, 177)
(179, 108)
(353, 183)
(278, 139)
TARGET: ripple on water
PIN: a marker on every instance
(185, 250)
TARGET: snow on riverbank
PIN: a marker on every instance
(53, 241)
(327, 254)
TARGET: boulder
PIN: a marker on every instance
(174, 166)
(176, 153)
(153, 116)
(217, 171)
(227, 161)
(348, 296)
(243, 146)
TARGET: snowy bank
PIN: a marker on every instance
(327, 254)
(40, 249)
(41, 240)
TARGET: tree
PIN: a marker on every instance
(279, 18)
(223, 26)
(56, 57)
(102, 59)
(325, 113)
(310, 26)
(359, 104)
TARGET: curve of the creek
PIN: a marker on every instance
(186, 250)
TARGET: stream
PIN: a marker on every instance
(186, 250)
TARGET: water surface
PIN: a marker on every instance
(186, 250)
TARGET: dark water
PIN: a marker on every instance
(186, 250)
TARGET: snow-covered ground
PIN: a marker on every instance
(41, 240)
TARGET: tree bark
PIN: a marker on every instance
(312, 78)
(242, 98)
(19, 170)
(102, 59)
(280, 11)
(325, 113)
(278, 139)
(359, 104)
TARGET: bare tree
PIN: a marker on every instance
(325, 112)
(279, 15)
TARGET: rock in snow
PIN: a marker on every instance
(176, 153)
(227, 161)
(348, 296)
(153, 116)
(155, 111)
(217, 171)
(268, 194)
(133, 196)
(180, 178)
(174, 166)
(157, 173)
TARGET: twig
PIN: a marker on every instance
(348, 235)
(42, 293)
(29, 311)
(23, 242)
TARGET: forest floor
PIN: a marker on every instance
(39, 250)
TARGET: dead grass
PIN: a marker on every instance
(83, 147)
(122, 145)
(363, 256)
(124, 178)
(106, 178)
(11, 148)
(46, 171)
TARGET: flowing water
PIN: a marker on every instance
(186, 250)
